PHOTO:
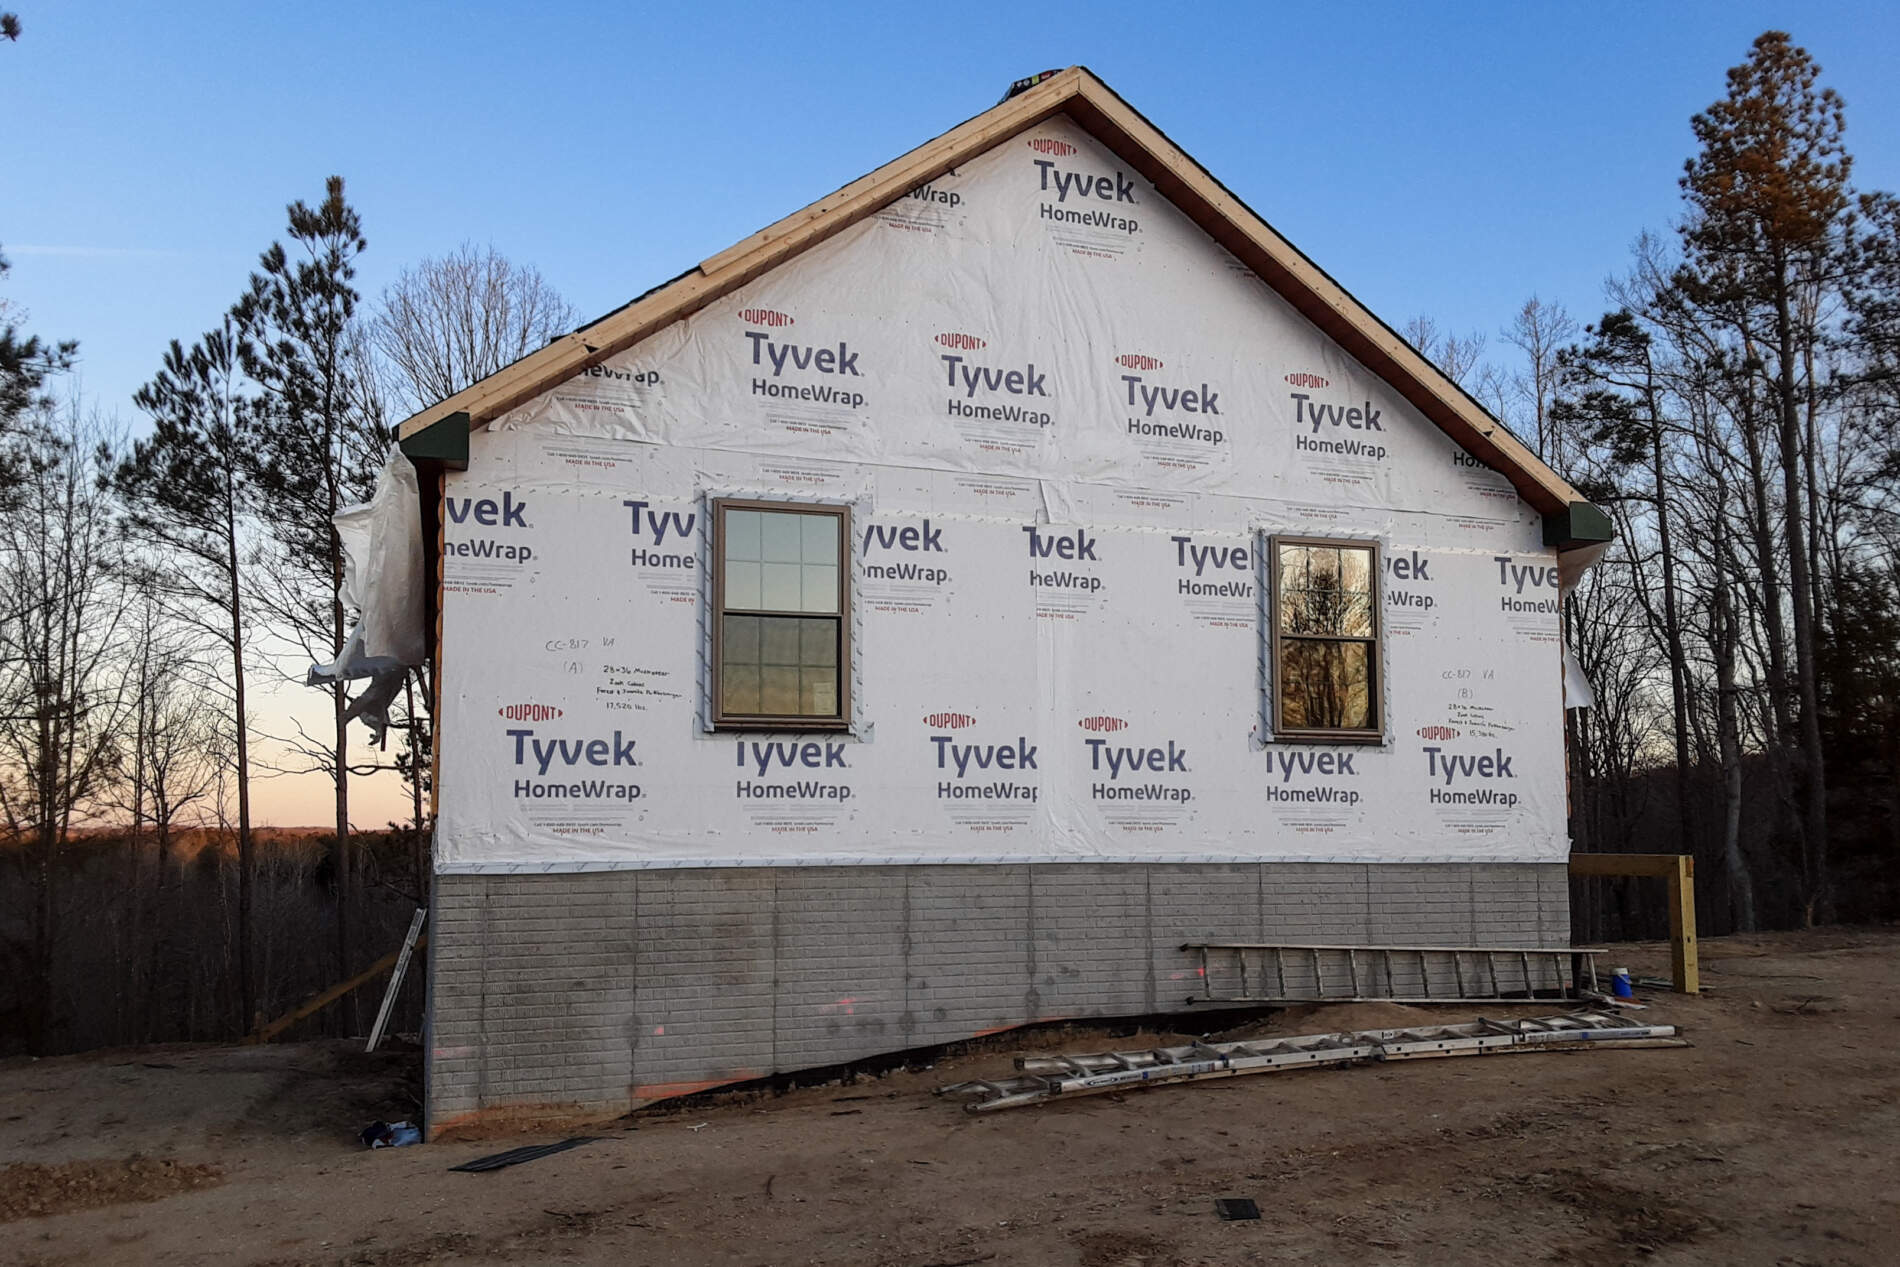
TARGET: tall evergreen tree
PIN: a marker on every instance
(26, 362)
(188, 489)
(317, 451)
(1769, 199)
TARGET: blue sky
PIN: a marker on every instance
(1446, 159)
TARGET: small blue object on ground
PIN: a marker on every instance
(1620, 984)
(390, 1135)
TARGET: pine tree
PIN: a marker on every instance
(317, 451)
(1768, 198)
(188, 489)
(26, 362)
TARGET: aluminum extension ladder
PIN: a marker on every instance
(1253, 972)
(1065, 1077)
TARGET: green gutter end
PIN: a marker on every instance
(1578, 524)
(445, 440)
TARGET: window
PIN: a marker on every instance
(1325, 639)
(781, 598)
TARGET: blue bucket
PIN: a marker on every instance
(1620, 984)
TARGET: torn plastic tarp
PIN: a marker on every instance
(383, 579)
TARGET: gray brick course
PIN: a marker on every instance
(600, 991)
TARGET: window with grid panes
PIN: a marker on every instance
(781, 628)
(1326, 632)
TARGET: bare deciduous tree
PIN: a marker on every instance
(62, 691)
(1538, 331)
(452, 321)
(1457, 355)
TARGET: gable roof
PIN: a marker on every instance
(1095, 107)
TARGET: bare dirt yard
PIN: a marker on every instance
(1775, 1139)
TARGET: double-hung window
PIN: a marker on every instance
(781, 636)
(1325, 629)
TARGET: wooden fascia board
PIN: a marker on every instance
(734, 267)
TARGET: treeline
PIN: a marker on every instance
(148, 941)
(149, 585)
(1734, 411)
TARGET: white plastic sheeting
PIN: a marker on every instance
(1571, 566)
(383, 580)
(1066, 422)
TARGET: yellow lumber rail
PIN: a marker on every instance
(1679, 870)
(317, 1002)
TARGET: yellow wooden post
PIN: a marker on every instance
(1679, 870)
(1682, 952)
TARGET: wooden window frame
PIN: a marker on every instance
(1375, 686)
(721, 719)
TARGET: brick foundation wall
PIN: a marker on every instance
(558, 997)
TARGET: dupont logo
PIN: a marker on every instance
(1136, 361)
(765, 317)
(1049, 145)
(961, 342)
(529, 712)
(1102, 723)
(1437, 732)
(949, 721)
(1307, 380)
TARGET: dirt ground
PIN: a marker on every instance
(1775, 1139)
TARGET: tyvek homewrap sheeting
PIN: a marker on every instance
(1066, 421)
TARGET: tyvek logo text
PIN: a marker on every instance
(1117, 759)
(894, 542)
(766, 759)
(1147, 397)
(1217, 559)
(657, 527)
(1516, 577)
(573, 754)
(1306, 765)
(639, 378)
(998, 384)
(509, 512)
(1067, 183)
(1413, 570)
(1310, 417)
(930, 193)
(1077, 546)
(978, 759)
(830, 361)
(1487, 772)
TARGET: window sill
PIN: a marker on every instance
(780, 725)
(1363, 738)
